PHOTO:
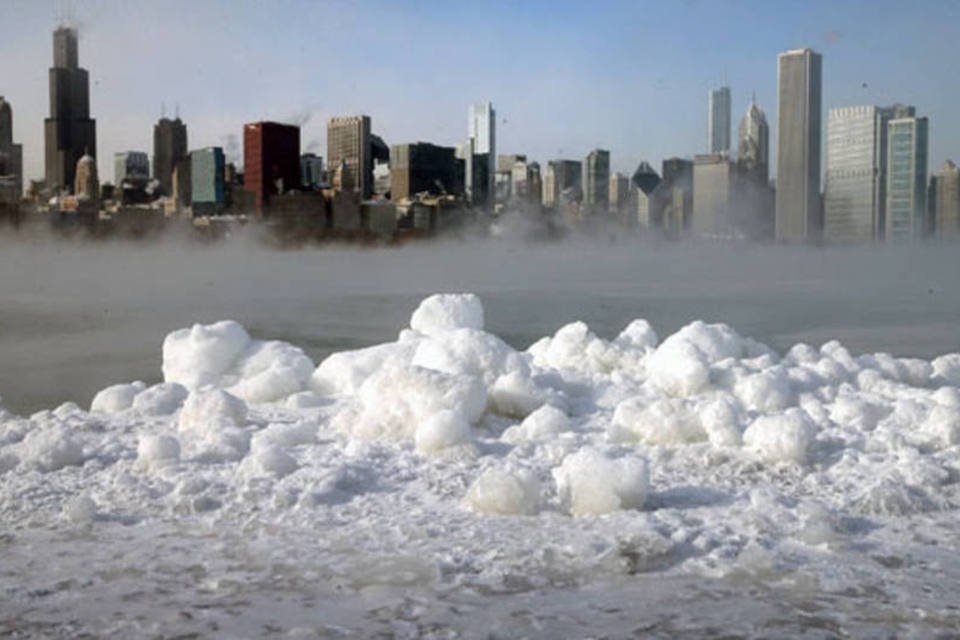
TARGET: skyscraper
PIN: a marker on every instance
(132, 167)
(350, 150)
(718, 121)
(646, 180)
(854, 198)
(11, 155)
(271, 160)
(69, 132)
(799, 80)
(596, 181)
(561, 181)
(906, 178)
(482, 129)
(947, 212)
(753, 148)
(207, 185)
(423, 167)
(169, 148)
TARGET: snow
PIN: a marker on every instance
(451, 464)
(591, 482)
(446, 311)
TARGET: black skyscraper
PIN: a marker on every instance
(169, 148)
(69, 131)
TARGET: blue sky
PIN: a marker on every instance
(565, 77)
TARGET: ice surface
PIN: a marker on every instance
(452, 464)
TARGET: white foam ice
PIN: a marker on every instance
(450, 462)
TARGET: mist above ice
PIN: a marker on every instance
(76, 316)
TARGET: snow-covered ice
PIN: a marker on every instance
(407, 488)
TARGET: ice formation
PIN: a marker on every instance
(706, 453)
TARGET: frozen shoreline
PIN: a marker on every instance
(447, 467)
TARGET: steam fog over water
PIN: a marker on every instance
(78, 317)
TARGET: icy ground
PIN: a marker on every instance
(447, 485)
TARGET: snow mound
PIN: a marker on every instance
(590, 482)
(116, 398)
(223, 355)
(50, 448)
(447, 311)
(501, 492)
(781, 438)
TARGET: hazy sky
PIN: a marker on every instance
(565, 77)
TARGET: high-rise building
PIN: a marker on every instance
(906, 209)
(423, 167)
(596, 181)
(646, 181)
(799, 79)
(753, 149)
(311, 170)
(718, 120)
(674, 200)
(714, 189)
(350, 151)
(947, 207)
(619, 193)
(561, 182)
(482, 129)
(69, 132)
(207, 184)
(131, 167)
(854, 198)
(11, 155)
(169, 148)
(271, 160)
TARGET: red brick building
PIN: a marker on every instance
(271, 160)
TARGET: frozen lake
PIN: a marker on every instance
(449, 486)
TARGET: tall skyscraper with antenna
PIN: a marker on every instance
(718, 121)
(69, 132)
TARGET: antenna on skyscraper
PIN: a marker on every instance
(177, 111)
(163, 110)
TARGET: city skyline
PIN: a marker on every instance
(649, 120)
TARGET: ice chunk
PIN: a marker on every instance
(266, 458)
(638, 335)
(344, 372)
(543, 424)
(518, 395)
(590, 482)
(199, 356)
(678, 368)
(470, 352)
(769, 391)
(720, 418)
(116, 398)
(270, 371)
(395, 401)
(441, 430)
(665, 421)
(447, 311)
(501, 492)
(50, 448)
(209, 425)
(81, 510)
(156, 451)
(161, 399)
(947, 369)
(781, 438)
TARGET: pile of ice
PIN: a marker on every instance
(698, 440)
